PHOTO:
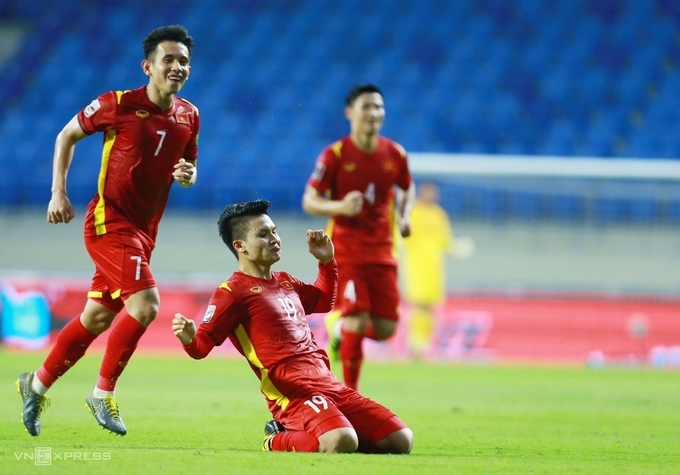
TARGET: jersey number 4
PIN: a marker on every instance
(369, 194)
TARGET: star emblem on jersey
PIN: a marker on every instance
(182, 118)
(349, 167)
(256, 290)
(142, 114)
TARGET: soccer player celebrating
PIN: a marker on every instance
(150, 140)
(263, 314)
(354, 183)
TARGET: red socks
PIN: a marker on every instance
(295, 441)
(351, 356)
(125, 334)
(72, 342)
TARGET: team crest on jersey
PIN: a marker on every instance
(93, 107)
(209, 313)
(319, 170)
(388, 166)
(349, 166)
(142, 114)
(287, 285)
(256, 290)
(182, 117)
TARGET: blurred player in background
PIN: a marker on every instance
(263, 314)
(150, 140)
(354, 184)
(424, 265)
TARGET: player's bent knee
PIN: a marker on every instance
(143, 305)
(144, 312)
(399, 442)
(98, 321)
(384, 328)
(339, 441)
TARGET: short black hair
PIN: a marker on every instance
(233, 222)
(175, 33)
(359, 90)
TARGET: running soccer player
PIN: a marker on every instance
(354, 183)
(150, 140)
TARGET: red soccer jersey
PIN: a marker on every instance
(265, 320)
(142, 143)
(342, 167)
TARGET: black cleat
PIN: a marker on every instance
(34, 403)
(105, 410)
(271, 428)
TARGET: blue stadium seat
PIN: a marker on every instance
(565, 207)
(673, 210)
(489, 203)
(527, 205)
(645, 210)
(611, 209)
(555, 78)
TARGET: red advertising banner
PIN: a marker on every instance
(597, 330)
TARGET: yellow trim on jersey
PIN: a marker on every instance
(337, 147)
(93, 294)
(100, 209)
(116, 294)
(266, 385)
(396, 235)
(329, 227)
(225, 285)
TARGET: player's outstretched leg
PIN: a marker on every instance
(34, 403)
(271, 428)
(105, 410)
(333, 322)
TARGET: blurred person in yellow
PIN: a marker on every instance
(424, 265)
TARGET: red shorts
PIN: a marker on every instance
(371, 288)
(318, 403)
(121, 261)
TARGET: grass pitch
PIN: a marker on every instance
(206, 417)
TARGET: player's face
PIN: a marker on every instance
(169, 68)
(367, 113)
(429, 193)
(263, 244)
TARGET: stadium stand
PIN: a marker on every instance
(532, 77)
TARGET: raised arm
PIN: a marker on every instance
(321, 247)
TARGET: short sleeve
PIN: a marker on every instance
(323, 176)
(100, 114)
(221, 317)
